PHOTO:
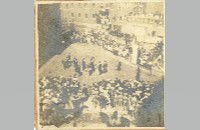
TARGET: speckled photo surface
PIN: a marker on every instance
(99, 64)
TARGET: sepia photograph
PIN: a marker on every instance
(99, 64)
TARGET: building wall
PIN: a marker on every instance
(119, 13)
(85, 12)
(79, 13)
(49, 27)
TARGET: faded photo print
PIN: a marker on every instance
(99, 64)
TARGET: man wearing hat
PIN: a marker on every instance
(100, 68)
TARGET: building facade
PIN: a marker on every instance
(142, 14)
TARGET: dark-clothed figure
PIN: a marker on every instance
(119, 66)
(91, 67)
(78, 70)
(103, 102)
(64, 64)
(137, 77)
(85, 91)
(69, 56)
(75, 62)
(100, 68)
(83, 64)
(105, 67)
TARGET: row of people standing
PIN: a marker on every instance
(89, 66)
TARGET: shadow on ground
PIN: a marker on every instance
(50, 30)
(151, 111)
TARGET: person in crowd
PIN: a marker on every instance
(91, 67)
(105, 67)
(83, 64)
(103, 101)
(69, 56)
(75, 62)
(100, 68)
(125, 95)
(150, 68)
(67, 61)
(85, 90)
(78, 70)
(64, 63)
(138, 72)
(119, 66)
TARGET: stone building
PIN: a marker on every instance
(85, 12)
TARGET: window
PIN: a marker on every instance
(93, 4)
(79, 14)
(67, 5)
(72, 14)
(72, 4)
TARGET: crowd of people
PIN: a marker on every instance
(60, 99)
(109, 40)
(120, 93)
(106, 41)
(151, 57)
(106, 38)
(115, 101)
(90, 65)
(69, 97)
(122, 48)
